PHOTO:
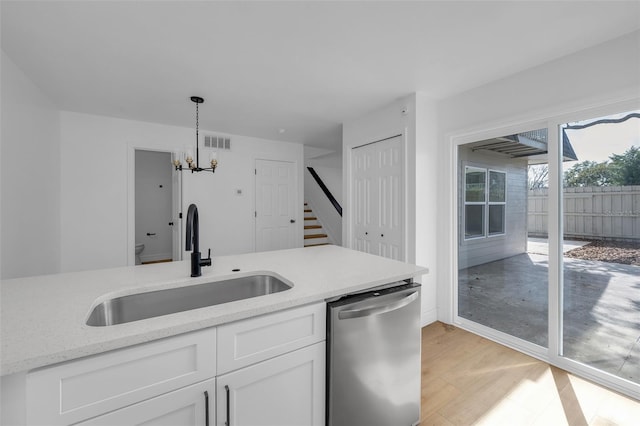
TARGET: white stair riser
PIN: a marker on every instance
(313, 241)
(314, 231)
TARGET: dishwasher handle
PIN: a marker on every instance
(378, 309)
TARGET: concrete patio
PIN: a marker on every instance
(601, 302)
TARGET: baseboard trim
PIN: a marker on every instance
(155, 257)
(428, 317)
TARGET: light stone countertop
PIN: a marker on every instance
(43, 317)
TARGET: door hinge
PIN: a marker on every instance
(255, 171)
(180, 215)
(255, 214)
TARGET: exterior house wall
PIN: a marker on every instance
(514, 241)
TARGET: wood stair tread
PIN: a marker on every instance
(307, 210)
(310, 218)
(320, 244)
(307, 237)
(312, 226)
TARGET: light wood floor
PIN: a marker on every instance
(467, 380)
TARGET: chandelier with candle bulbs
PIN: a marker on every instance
(194, 166)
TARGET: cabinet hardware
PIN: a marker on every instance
(382, 235)
(228, 422)
(150, 234)
(292, 221)
(206, 408)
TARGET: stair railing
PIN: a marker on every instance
(326, 190)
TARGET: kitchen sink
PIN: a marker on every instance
(151, 304)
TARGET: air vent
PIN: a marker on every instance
(217, 142)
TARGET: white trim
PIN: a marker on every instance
(486, 203)
(551, 119)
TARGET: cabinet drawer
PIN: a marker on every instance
(189, 406)
(246, 342)
(77, 390)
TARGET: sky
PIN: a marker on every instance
(598, 142)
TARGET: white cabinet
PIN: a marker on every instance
(272, 365)
(282, 391)
(252, 340)
(189, 406)
(75, 391)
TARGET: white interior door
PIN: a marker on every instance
(377, 187)
(276, 204)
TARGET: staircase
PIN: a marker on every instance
(314, 235)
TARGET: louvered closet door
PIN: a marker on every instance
(377, 172)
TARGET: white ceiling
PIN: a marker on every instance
(301, 66)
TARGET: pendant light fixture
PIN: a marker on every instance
(188, 155)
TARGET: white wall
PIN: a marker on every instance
(417, 125)
(97, 155)
(30, 177)
(153, 210)
(226, 218)
(605, 74)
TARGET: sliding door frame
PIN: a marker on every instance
(552, 121)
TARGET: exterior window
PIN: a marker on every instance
(497, 201)
(485, 196)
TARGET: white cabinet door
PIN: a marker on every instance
(276, 205)
(377, 179)
(284, 391)
(192, 405)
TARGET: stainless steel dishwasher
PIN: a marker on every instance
(373, 357)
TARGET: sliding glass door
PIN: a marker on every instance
(502, 267)
(601, 249)
(548, 243)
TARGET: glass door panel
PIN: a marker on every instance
(502, 246)
(601, 250)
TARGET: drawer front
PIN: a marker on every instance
(249, 341)
(77, 390)
(190, 406)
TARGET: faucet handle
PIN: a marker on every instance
(207, 261)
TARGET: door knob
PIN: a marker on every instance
(292, 221)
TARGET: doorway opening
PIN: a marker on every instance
(157, 208)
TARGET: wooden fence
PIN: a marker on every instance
(599, 212)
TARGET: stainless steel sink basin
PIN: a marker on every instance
(139, 306)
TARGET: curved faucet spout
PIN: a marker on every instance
(193, 230)
(193, 237)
